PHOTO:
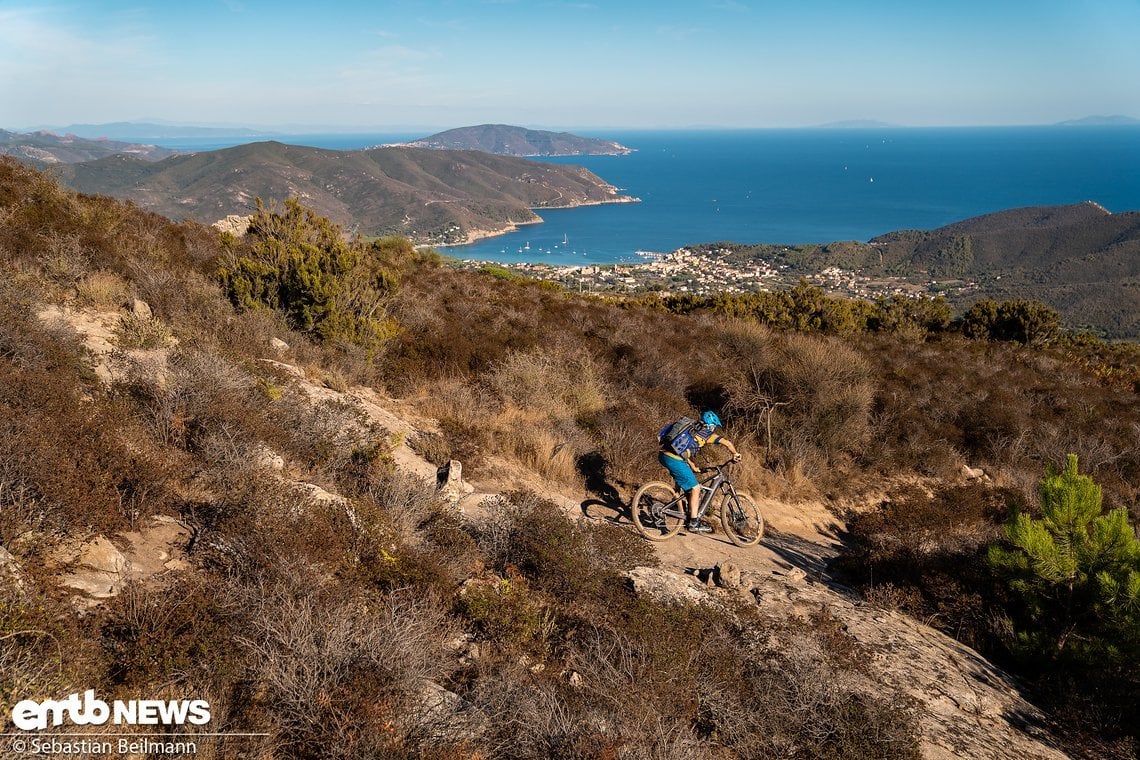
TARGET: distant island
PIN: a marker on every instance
(1116, 120)
(859, 124)
(506, 140)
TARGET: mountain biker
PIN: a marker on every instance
(680, 465)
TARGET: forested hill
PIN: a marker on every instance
(1032, 238)
(506, 140)
(427, 195)
(1080, 259)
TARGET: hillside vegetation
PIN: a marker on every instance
(1080, 260)
(386, 624)
(425, 195)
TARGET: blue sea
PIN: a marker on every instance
(810, 185)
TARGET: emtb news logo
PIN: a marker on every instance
(30, 715)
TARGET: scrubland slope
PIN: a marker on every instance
(238, 507)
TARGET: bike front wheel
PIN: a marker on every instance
(741, 519)
(657, 512)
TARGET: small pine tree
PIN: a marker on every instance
(1075, 571)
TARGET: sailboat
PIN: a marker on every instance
(565, 239)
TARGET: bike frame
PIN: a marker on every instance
(717, 480)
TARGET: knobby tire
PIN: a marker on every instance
(648, 513)
(741, 519)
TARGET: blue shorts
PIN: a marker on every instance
(682, 473)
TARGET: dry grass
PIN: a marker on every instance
(103, 290)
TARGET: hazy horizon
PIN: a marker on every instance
(435, 64)
(272, 130)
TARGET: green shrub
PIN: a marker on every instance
(299, 263)
(498, 273)
(506, 612)
(1027, 322)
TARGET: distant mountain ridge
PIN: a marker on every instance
(430, 196)
(506, 140)
(47, 148)
(129, 130)
(859, 124)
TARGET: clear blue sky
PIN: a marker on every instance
(564, 63)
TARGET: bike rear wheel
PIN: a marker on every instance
(741, 519)
(656, 511)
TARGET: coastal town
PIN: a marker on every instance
(726, 268)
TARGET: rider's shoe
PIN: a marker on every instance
(696, 526)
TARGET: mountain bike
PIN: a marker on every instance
(659, 512)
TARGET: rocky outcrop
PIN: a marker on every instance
(234, 224)
(668, 587)
(451, 484)
(97, 569)
(445, 716)
(968, 707)
(97, 330)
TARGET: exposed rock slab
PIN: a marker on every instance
(97, 569)
(968, 707)
(971, 708)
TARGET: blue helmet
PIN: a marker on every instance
(710, 418)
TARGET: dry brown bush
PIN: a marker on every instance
(327, 434)
(543, 717)
(134, 331)
(33, 647)
(806, 397)
(176, 634)
(930, 549)
(102, 474)
(564, 385)
(204, 397)
(532, 535)
(341, 670)
(408, 502)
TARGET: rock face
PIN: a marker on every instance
(727, 576)
(234, 224)
(10, 569)
(668, 587)
(969, 708)
(97, 569)
(451, 484)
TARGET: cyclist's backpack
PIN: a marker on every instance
(679, 437)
